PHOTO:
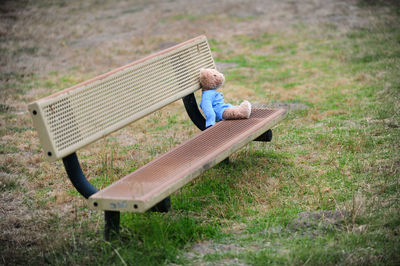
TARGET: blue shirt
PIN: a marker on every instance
(213, 106)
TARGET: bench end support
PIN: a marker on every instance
(162, 206)
(265, 137)
(111, 225)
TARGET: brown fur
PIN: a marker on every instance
(211, 79)
(242, 111)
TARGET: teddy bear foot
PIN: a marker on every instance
(242, 111)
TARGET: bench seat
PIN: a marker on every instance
(150, 184)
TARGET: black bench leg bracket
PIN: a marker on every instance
(193, 111)
(225, 161)
(162, 206)
(75, 174)
(265, 137)
(78, 179)
(111, 226)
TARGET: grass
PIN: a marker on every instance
(341, 153)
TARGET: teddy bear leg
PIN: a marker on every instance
(239, 112)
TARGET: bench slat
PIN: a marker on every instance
(75, 117)
(142, 189)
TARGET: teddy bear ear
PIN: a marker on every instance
(202, 72)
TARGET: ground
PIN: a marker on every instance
(324, 192)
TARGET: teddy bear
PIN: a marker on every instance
(212, 102)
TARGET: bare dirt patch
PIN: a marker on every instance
(41, 38)
(319, 222)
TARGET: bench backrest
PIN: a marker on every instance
(77, 116)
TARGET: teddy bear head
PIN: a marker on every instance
(211, 79)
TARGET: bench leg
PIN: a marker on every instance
(225, 161)
(162, 206)
(266, 137)
(111, 227)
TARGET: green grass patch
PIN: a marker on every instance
(255, 61)
(257, 41)
(4, 149)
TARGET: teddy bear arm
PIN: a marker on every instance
(206, 107)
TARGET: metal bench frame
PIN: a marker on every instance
(68, 155)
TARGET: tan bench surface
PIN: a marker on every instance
(153, 182)
(77, 116)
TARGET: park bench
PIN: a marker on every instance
(75, 117)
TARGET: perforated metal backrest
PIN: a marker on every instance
(75, 117)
